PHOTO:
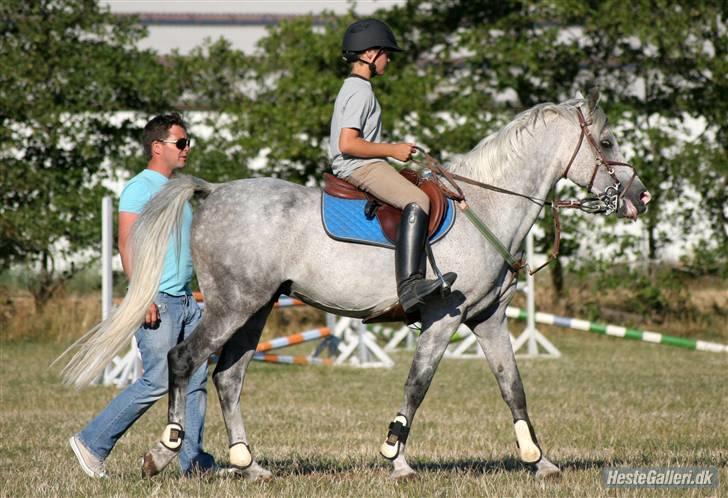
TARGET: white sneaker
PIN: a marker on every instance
(92, 466)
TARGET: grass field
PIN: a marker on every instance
(607, 402)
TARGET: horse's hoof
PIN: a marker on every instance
(149, 469)
(262, 475)
(253, 473)
(547, 471)
(404, 474)
(156, 459)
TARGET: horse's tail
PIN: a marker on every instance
(160, 216)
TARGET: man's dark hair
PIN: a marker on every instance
(158, 129)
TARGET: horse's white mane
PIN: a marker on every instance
(495, 153)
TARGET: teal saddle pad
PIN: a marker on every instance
(344, 220)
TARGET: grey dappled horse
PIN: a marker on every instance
(257, 238)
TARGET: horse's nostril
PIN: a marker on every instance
(645, 197)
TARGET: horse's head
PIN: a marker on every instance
(598, 164)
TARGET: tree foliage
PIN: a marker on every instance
(67, 67)
(658, 63)
(468, 68)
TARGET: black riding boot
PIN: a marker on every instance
(412, 287)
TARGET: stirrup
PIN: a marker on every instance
(445, 283)
(409, 298)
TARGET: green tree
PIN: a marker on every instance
(216, 84)
(67, 68)
(657, 62)
(661, 62)
(469, 66)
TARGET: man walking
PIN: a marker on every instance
(170, 319)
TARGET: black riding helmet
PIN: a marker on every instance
(365, 34)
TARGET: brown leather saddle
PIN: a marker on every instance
(387, 215)
(389, 218)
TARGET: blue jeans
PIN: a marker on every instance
(179, 315)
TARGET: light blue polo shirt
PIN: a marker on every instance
(137, 192)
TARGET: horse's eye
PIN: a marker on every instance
(606, 144)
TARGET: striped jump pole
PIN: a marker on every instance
(282, 342)
(292, 360)
(617, 331)
(291, 340)
(287, 302)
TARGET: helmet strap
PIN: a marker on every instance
(372, 65)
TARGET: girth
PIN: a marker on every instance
(389, 216)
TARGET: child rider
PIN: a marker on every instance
(359, 156)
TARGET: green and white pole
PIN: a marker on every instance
(617, 331)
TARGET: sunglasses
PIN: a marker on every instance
(181, 144)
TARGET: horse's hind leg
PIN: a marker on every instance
(212, 332)
(228, 377)
(431, 346)
(495, 341)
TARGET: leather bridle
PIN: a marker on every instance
(613, 194)
(605, 203)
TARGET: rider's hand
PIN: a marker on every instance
(152, 316)
(403, 152)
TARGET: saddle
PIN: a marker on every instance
(348, 215)
(389, 216)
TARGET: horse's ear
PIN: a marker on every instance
(593, 99)
(580, 95)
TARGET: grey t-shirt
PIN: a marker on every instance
(355, 107)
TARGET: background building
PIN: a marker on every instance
(183, 25)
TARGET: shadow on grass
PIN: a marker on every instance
(504, 465)
(315, 465)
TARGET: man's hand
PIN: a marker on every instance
(152, 317)
(403, 152)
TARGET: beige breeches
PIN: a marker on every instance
(382, 181)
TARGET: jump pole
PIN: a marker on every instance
(617, 331)
(532, 337)
(107, 238)
(354, 337)
(285, 302)
(291, 340)
(282, 342)
(537, 345)
(293, 360)
(125, 369)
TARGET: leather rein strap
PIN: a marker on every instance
(606, 203)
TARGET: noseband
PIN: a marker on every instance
(607, 202)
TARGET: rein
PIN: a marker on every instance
(605, 203)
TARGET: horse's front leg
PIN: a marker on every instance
(494, 339)
(430, 347)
